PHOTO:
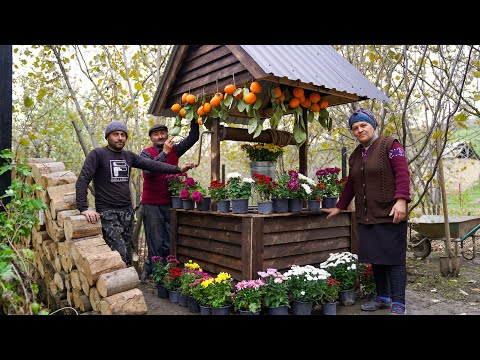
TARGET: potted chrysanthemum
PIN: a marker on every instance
(248, 296)
(239, 191)
(276, 292)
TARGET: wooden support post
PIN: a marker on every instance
(303, 150)
(215, 150)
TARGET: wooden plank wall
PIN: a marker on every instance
(203, 66)
(242, 245)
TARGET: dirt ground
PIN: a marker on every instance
(428, 292)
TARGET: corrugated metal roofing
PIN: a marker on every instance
(320, 65)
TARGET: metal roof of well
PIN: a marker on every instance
(320, 65)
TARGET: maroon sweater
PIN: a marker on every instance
(396, 166)
(155, 186)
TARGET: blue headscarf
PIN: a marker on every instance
(362, 115)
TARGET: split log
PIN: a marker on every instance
(82, 247)
(57, 192)
(70, 298)
(67, 262)
(66, 202)
(40, 236)
(117, 281)
(68, 284)
(57, 263)
(97, 264)
(46, 249)
(63, 249)
(57, 178)
(77, 226)
(31, 161)
(39, 169)
(76, 298)
(85, 303)
(65, 214)
(59, 279)
(84, 283)
(129, 302)
(94, 298)
(39, 263)
(75, 279)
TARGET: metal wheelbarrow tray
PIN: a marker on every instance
(432, 227)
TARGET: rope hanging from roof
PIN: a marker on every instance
(279, 137)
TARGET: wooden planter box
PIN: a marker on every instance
(243, 244)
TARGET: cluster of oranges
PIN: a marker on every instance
(249, 95)
(187, 98)
(312, 102)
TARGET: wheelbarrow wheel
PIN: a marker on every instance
(421, 246)
(468, 248)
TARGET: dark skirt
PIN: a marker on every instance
(383, 244)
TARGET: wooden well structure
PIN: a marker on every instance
(243, 244)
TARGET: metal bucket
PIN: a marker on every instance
(266, 168)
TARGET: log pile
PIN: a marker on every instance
(75, 266)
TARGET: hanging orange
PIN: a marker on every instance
(229, 89)
(176, 108)
(191, 99)
(182, 112)
(294, 102)
(314, 97)
(256, 87)
(324, 104)
(201, 111)
(184, 98)
(298, 92)
(207, 107)
(250, 98)
(215, 101)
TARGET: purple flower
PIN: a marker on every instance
(184, 194)
(197, 196)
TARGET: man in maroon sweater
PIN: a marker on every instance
(156, 199)
(109, 168)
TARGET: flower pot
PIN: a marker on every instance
(280, 206)
(224, 310)
(177, 203)
(302, 307)
(174, 296)
(329, 308)
(329, 202)
(265, 207)
(295, 205)
(239, 206)
(313, 205)
(248, 312)
(162, 292)
(279, 310)
(193, 305)
(204, 205)
(188, 204)
(266, 168)
(223, 206)
(346, 297)
(183, 300)
(205, 310)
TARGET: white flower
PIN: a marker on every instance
(307, 179)
(234, 175)
(248, 180)
(307, 189)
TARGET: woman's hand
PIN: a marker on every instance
(399, 211)
(332, 212)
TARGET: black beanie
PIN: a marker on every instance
(157, 127)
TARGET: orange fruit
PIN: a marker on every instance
(278, 91)
(256, 87)
(215, 101)
(191, 98)
(298, 92)
(239, 93)
(314, 97)
(250, 98)
(199, 120)
(306, 104)
(324, 104)
(315, 107)
(294, 102)
(220, 95)
(301, 98)
(182, 112)
(280, 99)
(201, 111)
(229, 89)
(184, 98)
(207, 107)
(176, 108)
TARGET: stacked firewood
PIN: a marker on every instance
(76, 268)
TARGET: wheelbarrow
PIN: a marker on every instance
(463, 230)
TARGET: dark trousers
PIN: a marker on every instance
(117, 229)
(391, 281)
(156, 223)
